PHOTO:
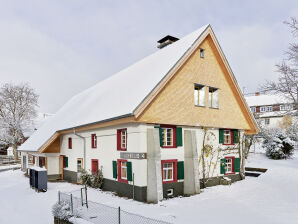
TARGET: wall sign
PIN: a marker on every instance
(133, 155)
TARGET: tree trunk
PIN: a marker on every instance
(15, 152)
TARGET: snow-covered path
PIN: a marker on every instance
(271, 198)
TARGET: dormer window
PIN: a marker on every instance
(263, 109)
(202, 53)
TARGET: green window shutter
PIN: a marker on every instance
(180, 168)
(222, 166)
(65, 162)
(179, 137)
(129, 171)
(235, 136)
(221, 136)
(237, 165)
(115, 169)
(160, 136)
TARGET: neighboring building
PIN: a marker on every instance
(271, 111)
(148, 122)
(9, 151)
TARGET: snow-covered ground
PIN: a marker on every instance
(5, 167)
(271, 198)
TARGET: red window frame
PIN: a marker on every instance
(119, 170)
(33, 160)
(93, 141)
(174, 136)
(119, 145)
(94, 169)
(233, 171)
(174, 161)
(69, 143)
(231, 136)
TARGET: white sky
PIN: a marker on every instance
(65, 46)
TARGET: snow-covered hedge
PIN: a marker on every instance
(278, 144)
(62, 211)
(94, 180)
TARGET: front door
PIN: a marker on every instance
(79, 170)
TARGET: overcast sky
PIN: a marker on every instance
(63, 47)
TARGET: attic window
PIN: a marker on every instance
(202, 53)
(213, 97)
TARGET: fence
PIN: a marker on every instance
(97, 213)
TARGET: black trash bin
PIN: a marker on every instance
(38, 178)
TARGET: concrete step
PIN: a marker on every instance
(252, 174)
(262, 170)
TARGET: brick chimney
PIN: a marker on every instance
(166, 41)
(257, 93)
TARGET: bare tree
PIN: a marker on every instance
(287, 83)
(17, 110)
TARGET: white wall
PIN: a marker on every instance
(106, 150)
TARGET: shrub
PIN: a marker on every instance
(277, 144)
(62, 211)
(94, 180)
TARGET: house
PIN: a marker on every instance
(271, 111)
(146, 126)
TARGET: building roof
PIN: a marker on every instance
(117, 96)
(265, 100)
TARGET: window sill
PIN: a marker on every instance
(229, 144)
(123, 181)
(169, 181)
(200, 106)
(229, 173)
(216, 108)
(169, 147)
(121, 149)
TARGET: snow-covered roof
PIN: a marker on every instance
(263, 100)
(116, 96)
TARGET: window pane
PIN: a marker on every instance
(202, 96)
(215, 99)
(196, 96)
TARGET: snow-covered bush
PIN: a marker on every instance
(94, 180)
(63, 211)
(277, 144)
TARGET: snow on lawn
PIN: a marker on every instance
(271, 198)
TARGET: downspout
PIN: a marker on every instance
(84, 140)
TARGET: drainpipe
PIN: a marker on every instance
(84, 140)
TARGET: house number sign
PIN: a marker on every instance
(133, 155)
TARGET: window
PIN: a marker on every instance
(213, 97)
(167, 136)
(94, 166)
(70, 143)
(289, 107)
(267, 121)
(199, 95)
(253, 109)
(169, 170)
(122, 139)
(282, 107)
(263, 109)
(202, 51)
(123, 171)
(42, 161)
(269, 108)
(93, 141)
(229, 167)
(228, 137)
